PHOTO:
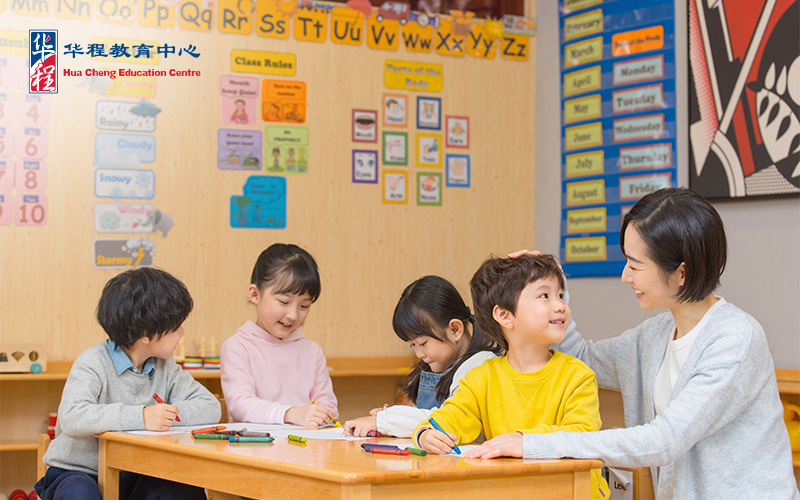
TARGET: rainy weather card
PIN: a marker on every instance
(365, 125)
(395, 148)
(429, 188)
(123, 150)
(429, 150)
(395, 186)
(365, 166)
(239, 96)
(126, 116)
(239, 149)
(287, 149)
(457, 167)
(457, 135)
(429, 113)
(263, 204)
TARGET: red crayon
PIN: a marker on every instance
(387, 451)
(373, 434)
(159, 400)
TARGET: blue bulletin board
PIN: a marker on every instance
(618, 122)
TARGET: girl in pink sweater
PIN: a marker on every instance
(270, 371)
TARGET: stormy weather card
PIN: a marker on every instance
(365, 125)
(239, 149)
(263, 205)
(239, 96)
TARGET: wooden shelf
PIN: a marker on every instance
(796, 459)
(788, 380)
(18, 445)
(383, 366)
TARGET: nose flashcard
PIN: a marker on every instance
(120, 253)
(123, 150)
(123, 218)
(126, 116)
(287, 149)
(239, 100)
(239, 149)
(429, 188)
(124, 183)
(263, 204)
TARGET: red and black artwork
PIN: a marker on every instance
(744, 98)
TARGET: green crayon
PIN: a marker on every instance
(211, 436)
(415, 451)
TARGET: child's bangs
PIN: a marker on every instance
(410, 325)
(297, 280)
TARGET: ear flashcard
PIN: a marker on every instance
(263, 204)
(239, 96)
(457, 170)
(395, 186)
(395, 148)
(239, 149)
(457, 134)
(429, 150)
(429, 188)
(365, 125)
(365, 166)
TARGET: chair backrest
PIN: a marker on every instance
(41, 448)
(224, 416)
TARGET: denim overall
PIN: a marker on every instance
(426, 393)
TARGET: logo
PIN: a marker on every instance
(43, 56)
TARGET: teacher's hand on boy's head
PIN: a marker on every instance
(360, 426)
(159, 417)
(310, 415)
(434, 441)
(504, 445)
(525, 251)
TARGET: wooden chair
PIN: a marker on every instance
(41, 448)
(642, 482)
(224, 416)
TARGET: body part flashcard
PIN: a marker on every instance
(123, 218)
(457, 167)
(429, 150)
(31, 175)
(395, 148)
(395, 186)
(457, 135)
(365, 166)
(395, 110)
(124, 253)
(365, 125)
(126, 116)
(239, 149)
(239, 96)
(283, 101)
(123, 150)
(121, 183)
(429, 188)
(287, 149)
(263, 204)
(429, 113)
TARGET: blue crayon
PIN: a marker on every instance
(436, 426)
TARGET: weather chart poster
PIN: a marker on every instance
(618, 122)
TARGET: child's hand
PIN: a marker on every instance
(504, 445)
(434, 441)
(360, 426)
(309, 415)
(374, 411)
(159, 417)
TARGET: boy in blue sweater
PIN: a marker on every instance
(111, 385)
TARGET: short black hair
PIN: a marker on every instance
(680, 226)
(289, 268)
(500, 281)
(143, 302)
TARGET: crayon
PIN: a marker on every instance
(207, 430)
(299, 439)
(386, 451)
(159, 400)
(210, 435)
(260, 439)
(335, 422)
(415, 451)
(252, 434)
(367, 446)
(436, 426)
(374, 434)
(230, 432)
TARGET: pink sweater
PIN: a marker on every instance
(263, 376)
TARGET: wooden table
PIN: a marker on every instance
(327, 469)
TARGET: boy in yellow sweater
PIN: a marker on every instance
(519, 303)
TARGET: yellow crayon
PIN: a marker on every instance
(335, 422)
(299, 439)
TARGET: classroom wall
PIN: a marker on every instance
(367, 251)
(763, 272)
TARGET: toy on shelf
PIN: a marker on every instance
(22, 358)
(208, 357)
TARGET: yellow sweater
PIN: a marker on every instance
(495, 399)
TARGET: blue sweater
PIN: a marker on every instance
(722, 435)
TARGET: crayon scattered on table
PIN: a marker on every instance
(299, 439)
(374, 434)
(244, 439)
(208, 430)
(415, 451)
(223, 437)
